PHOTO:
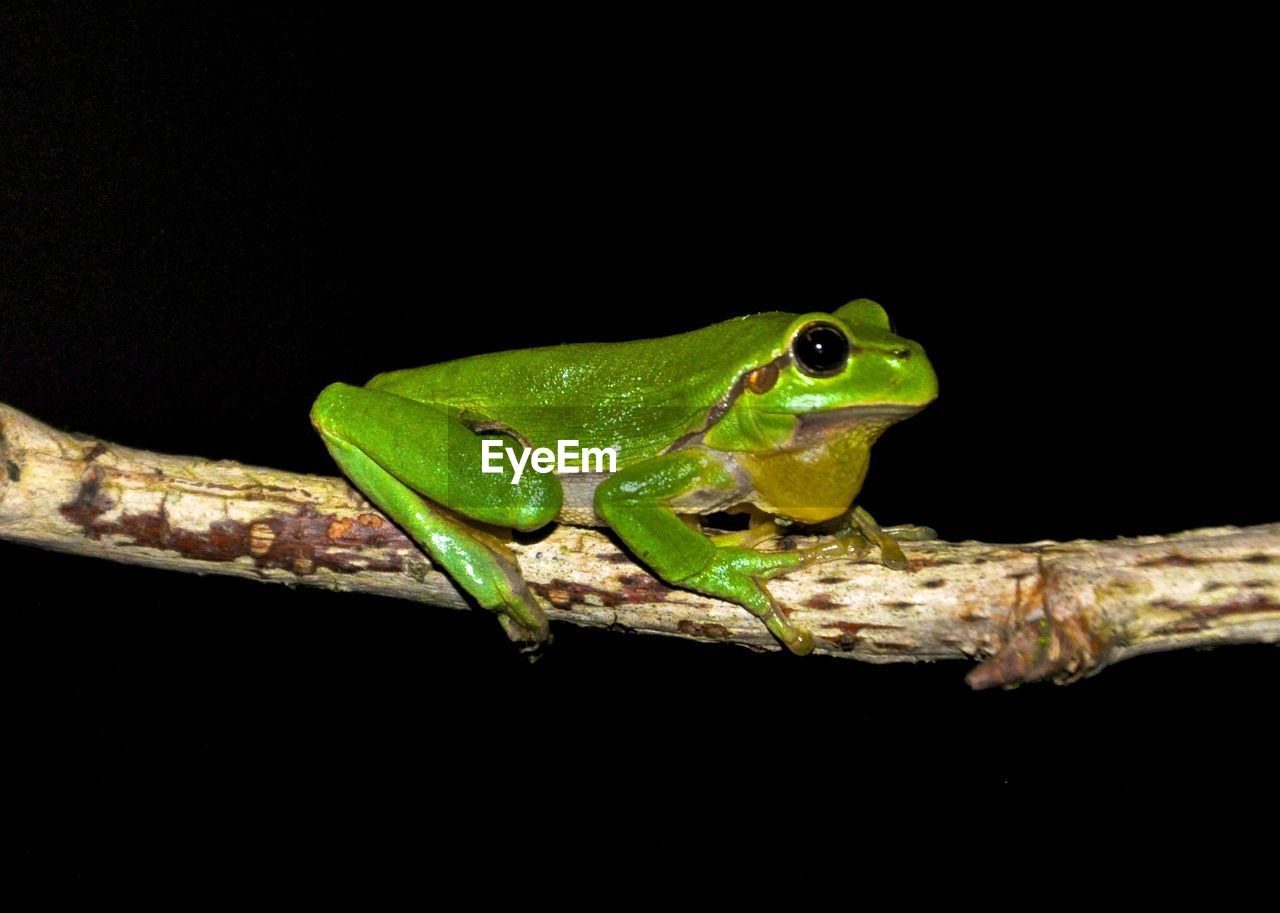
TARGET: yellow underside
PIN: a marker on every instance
(811, 484)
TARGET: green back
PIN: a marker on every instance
(636, 396)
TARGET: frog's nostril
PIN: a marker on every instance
(900, 353)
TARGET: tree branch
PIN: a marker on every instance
(1041, 610)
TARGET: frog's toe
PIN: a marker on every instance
(892, 556)
(802, 644)
(846, 544)
(530, 641)
(796, 639)
(911, 533)
(523, 619)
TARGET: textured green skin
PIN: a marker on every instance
(411, 441)
(637, 396)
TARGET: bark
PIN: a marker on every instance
(1043, 610)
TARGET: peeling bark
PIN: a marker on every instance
(1043, 610)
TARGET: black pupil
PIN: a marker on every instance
(821, 349)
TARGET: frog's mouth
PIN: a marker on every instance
(862, 414)
(867, 422)
(864, 422)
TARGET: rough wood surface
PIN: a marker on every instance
(1039, 610)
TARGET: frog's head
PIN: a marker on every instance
(828, 370)
(849, 359)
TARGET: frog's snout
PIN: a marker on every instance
(915, 379)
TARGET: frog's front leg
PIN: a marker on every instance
(636, 503)
(422, 465)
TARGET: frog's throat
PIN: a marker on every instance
(819, 472)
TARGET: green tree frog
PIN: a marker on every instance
(771, 414)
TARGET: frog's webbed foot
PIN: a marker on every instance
(891, 554)
(522, 618)
(856, 533)
(739, 574)
(848, 544)
(853, 536)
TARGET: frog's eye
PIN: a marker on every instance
(820, 349)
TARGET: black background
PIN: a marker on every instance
(211, 215)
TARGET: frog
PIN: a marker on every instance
(771, 415)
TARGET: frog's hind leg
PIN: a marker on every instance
(421, 465)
